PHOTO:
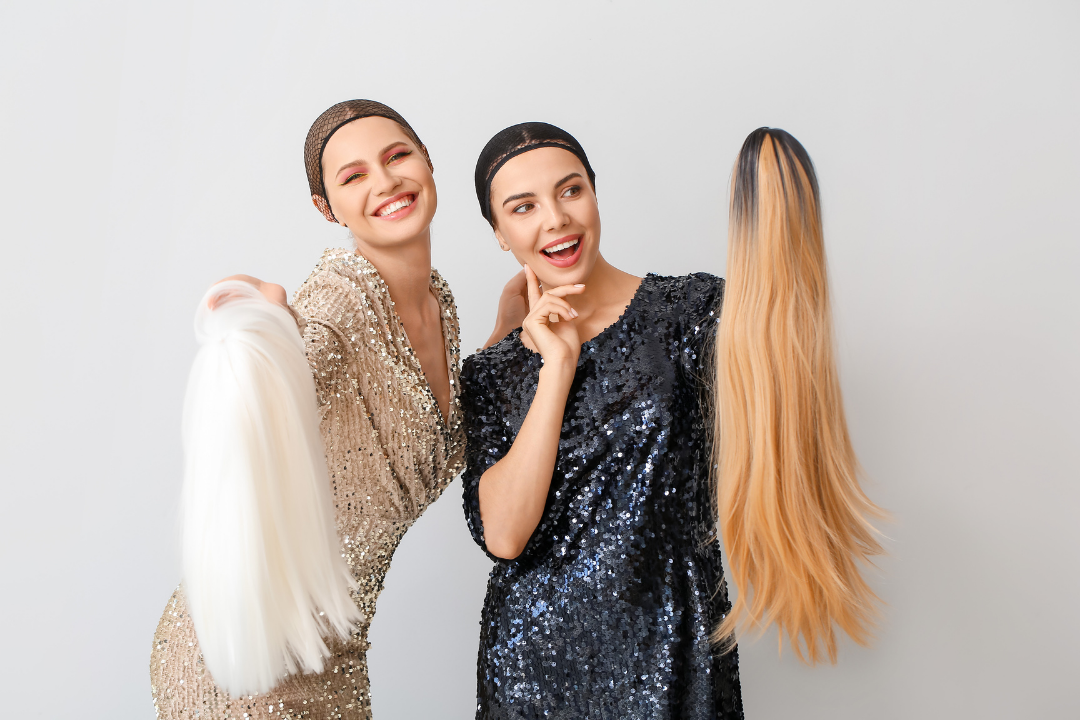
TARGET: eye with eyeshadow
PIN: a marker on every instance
(354, 176)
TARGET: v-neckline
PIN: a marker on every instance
(442, 421)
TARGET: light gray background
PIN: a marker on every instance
(148, 150)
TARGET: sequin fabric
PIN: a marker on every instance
(607, 612)
(389, 455)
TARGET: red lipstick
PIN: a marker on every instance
(400, 212)
(565, 258)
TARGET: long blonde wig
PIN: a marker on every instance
(793, 518)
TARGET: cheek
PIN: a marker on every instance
(520, 237)
(588, 217)
(591, 215)
(432, 193)
(355, 201)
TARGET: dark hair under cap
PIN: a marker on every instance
(329, 123)
(513, 141)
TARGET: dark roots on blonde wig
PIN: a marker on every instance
(793, 517)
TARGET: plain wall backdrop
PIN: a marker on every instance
(149, 149)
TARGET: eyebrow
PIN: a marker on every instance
(382, 152)
(519, 196)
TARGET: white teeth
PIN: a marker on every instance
(562, 246)
(395, 206)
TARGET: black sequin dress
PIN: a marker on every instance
(607, 612)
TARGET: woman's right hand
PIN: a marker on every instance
(273, 293)
(550, 323)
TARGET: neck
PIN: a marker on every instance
(405, 268)
(606, 286)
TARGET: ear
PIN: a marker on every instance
(324, 207)
(502, 243)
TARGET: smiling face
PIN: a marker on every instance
(378, 182)
(545, 213)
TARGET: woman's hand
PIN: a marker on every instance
(550, 323)
(513, 307)
(273, 293)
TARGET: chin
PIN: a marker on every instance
(554, 277)
(398, 233)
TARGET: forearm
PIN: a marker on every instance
(496, 335)
(513, 491)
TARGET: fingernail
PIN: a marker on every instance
(573, 312)
(579, 285)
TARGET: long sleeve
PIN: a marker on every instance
(487, 438)
(320, 302)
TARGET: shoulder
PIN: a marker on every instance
(692, 297)
(442, 292)
(326, 290)
(448, 307)
(704, 294)
(491, 366)
(491, 358)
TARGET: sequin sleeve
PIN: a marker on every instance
(487, 439)
(700, 312)
(318, 302)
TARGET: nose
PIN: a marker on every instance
(556, 217)
(385, 181)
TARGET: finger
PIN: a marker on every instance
(547, 318)
(547, 304)
(242, 278)
(274, 293)
(563, 290)
(533, 284)
(545, 311)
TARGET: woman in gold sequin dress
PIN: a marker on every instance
(381, 336)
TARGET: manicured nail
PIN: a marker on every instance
(579, 285)
(573, 312)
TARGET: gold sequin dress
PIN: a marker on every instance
(389, 454)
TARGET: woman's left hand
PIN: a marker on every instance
(513, 307)
(273, 293)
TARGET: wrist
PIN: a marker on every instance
(561, 370)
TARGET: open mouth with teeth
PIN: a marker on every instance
(564, 253)
(396, 208)
(562, 250)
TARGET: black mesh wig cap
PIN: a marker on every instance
(513, 141)
(330, 122)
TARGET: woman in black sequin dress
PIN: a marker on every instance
(588, 475)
